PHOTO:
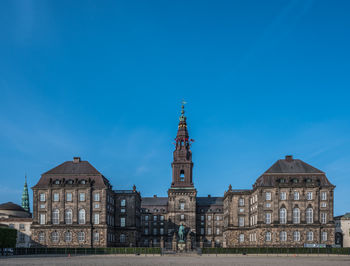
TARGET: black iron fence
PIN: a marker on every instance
(85, 251)
(276, 250)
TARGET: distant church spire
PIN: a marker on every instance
(25, 196)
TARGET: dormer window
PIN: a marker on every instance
(83, 182)
(56, 182)
(282, 180)
(295, 180)
(70, 181)
(182, 175)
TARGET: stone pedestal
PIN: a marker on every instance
(181, 246)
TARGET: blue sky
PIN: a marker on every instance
(104, 79)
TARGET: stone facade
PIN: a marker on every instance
(290, 205)
(73, 206)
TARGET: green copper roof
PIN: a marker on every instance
(25, 197)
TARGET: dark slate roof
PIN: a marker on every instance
(154, 201)
(11, 207)
(292, 166)
(207, 201)
(296, 168)
(72, 168)
(75, 169)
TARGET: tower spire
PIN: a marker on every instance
(182, 163)
(25, 196)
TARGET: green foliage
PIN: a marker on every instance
(8, 237)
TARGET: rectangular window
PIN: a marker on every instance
(42, 206)
(182, 217)
(154, 231)
(241, 238)
(122, 222)
(155, 218)
(268, 205)
(218, 231)
(324, 236)
(267, 195)
(309, 196)
(241, 221)
(296, 195)
(283, 196)
(323, 195)
(323, 217)
(209, 217)
(96, 218)
(241, 202)
(268, 237)
(21, 227)
(146, 218)
(182, 206)
(69, 196)
(162, 218)
(283, 236)
(218, 218)
(56, 197)
(82, 196)
(123, 203)
(42, 218)
(97, 196)
(96, 205)
(209, 231)
(161, 231)
(268, 218)
(146, 231)
(323, 204)
(42, 196)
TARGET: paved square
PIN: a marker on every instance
(176, 260)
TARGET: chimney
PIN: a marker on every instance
(76, 160)
(154, 196)
(289, 158)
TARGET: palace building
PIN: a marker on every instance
(290, 205)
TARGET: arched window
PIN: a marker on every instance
(122, 238)
(309, 216)
(296, 236)
(54, 236)
(182, 175)
(310, 236)
(68, 236)
(81, 236)
(283, 236)
(55, 216)
(69, 216)
(81, 216)
(283, 215)
(296, 216)
(41, 237)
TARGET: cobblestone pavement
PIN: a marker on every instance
(176, 260)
